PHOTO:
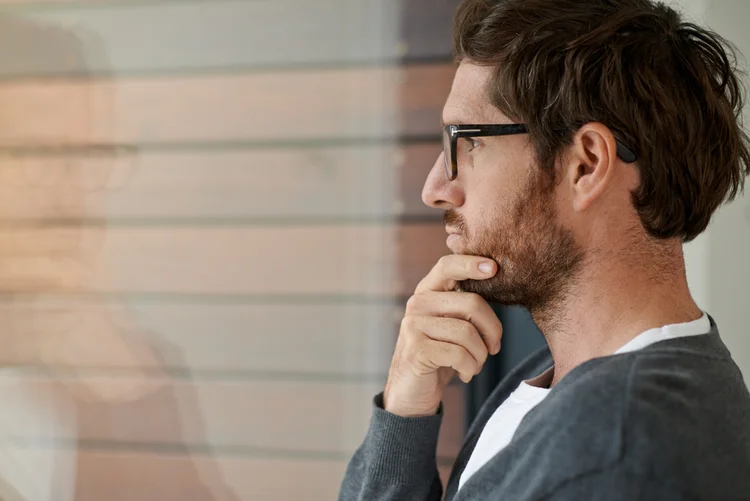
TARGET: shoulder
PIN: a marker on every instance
(657, 414)
(662, 380)
(672, 390)
(676, 415)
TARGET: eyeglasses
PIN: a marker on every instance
(451, 134)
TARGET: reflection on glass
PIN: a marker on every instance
(76, 369)
(202, 248)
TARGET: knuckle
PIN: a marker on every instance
(408, 323)
(421, 356)
(466, 365)
(411, 342)
(469, 364)
(474, 367)
(448, 354)
(484, 355)
(422, 285)
(467, 330)
(451, 350)
(468, 359)
(406, 339)
(412, 304)
(443, 263)
(475, 302)
(404, 328)
(408, 330)
(465, 358)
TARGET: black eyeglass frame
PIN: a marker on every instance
(451, 133)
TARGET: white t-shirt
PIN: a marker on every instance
(502, 425)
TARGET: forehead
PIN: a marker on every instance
(468, 101)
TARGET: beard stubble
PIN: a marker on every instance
(537, 257)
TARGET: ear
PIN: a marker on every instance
(590, 164)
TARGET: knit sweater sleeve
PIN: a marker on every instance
(397, 459)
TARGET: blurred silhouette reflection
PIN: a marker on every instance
(76, 371)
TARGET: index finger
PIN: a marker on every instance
(453, 268)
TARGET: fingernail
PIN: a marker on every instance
(485, 267)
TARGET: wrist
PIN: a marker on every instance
(396, 407)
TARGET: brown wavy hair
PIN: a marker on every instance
(669, 89)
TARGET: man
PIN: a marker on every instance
(608, 136)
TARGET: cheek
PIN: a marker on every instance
(490, 215)
(501, 173)
(498, 180)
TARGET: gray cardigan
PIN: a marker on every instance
(668, 422)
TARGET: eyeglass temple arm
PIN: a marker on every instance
(626, 154)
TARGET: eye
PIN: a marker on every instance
(473, 143)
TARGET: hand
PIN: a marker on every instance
(443, 333)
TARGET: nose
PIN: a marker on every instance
(438, 192)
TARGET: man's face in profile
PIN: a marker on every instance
(48, 177)
(501, 205)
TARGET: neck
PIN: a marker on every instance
(611, 304)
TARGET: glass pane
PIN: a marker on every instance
(211, 222)
(447, 159)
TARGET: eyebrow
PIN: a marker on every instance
(443, 123)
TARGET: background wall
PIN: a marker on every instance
(718, 262)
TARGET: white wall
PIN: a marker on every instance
(718, 262)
